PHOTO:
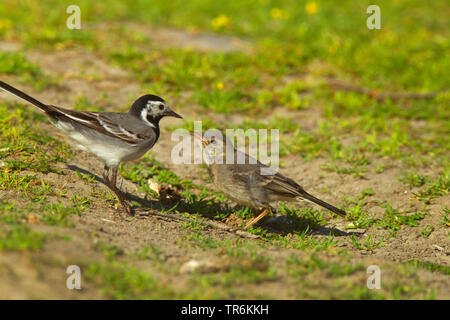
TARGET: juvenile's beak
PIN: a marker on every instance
(198, 136)
(171, 113)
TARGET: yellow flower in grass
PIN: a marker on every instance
(60, 46)
(5, 24)
(278, 14)
(219, 85)
(311, 8)
(221, 21)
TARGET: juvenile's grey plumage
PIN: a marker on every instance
(250, 182)
(113, 137)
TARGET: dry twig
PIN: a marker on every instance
(209, 223)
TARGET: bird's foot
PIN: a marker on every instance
(256, 219)
(127, 208)
(249, 224)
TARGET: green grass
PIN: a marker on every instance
(120, 281)
(304, 266)
(413, 179)
(25, 147)
(281, 82)
(349, 279)
(57, 214)
(436, 188)
(356, 171)
(21, 238)
(230, 82)
(238, 275)
(26, 153)
(16, 63)
(393, 219)
(305, 241)
(445, 219)
(434, 267)
(368, 244)
(53, 214)
(110, 251)
(344, 37)
(427, 230)
(148, 252)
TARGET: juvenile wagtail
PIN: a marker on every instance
(250, 183)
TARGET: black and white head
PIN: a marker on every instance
(151, 109)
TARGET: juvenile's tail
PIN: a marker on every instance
(23, 96)
(328, 206)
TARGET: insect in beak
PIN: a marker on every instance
(198, 136)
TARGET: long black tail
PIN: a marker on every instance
(324, 204)
(23, 96)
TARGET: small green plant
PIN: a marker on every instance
(85, 176)
(356, 171)
(109, 250)
(301, 267)
(21, 238)
(366, 193)
(16, 63)
(368, 244)
(434, 267)
(393, 219)
(304, 240)
(148, 252)
(413, 179)
(123, 282)
(193, 224)
(445, 217)
(427, 230)
(437, 188)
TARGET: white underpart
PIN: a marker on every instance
(208, 160)
(210, 156)
(111, 155)
(68, 128)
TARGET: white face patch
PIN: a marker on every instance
(144, 114)
(154, 107)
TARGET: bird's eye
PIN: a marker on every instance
(161, 107)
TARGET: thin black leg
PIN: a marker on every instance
(111, 183)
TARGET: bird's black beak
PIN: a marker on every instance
(171, 113)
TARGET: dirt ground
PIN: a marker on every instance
(39, 274)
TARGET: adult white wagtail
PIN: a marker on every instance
(250, 182)
(113, 137)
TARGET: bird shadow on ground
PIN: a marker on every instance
(84, 171)
(205, 207)
(288, 224)
(210, 209)
(132, 197)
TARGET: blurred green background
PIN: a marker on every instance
(409, 52)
